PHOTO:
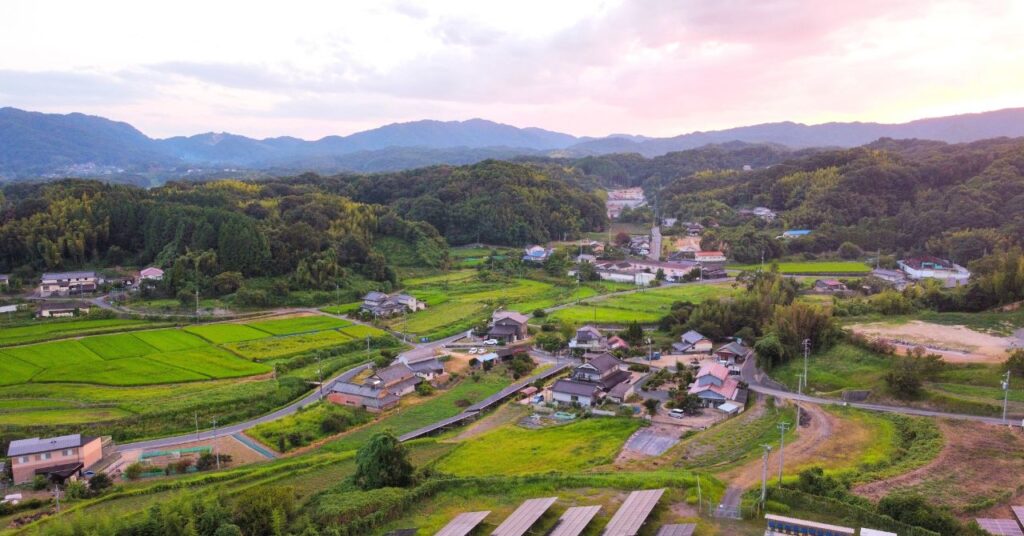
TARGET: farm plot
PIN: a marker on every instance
(169, 340)
(810, 267)
(118, 346)
(567, 448)
(359, 331)
(127, 371)
(53, 329)
(307, 425)
(299, 324)
(226, 333)
(646, 307)
(53, 354)
(211, 362)
(278, 347)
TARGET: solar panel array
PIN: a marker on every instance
(463, 524)
(633, 513)
(1019, 512)
(677, 530)
(524, 517)
(574, 520)
(1000, 527)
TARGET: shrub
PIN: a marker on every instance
(100, 482)
(849, 250)
(76, 489)
(39, 483)
(208, 461)
(424, 389)
(383, 463)
(133, 471)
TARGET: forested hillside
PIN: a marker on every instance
(957, 201)
(492, 202)
(314, 238)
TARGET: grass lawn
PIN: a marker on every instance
(810, 267)
(43, 330)
(343, 309)
(843, 366)
(308, 425)
(567, 448)
(278, 347)
(225, 333)
(301, 324)
(413, 414)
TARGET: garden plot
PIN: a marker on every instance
(277, 347)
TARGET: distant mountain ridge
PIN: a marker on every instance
(39, 144)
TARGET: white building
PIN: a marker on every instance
(65, 283)
(927, 267)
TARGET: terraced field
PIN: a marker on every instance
(54, 329)
(811, 267)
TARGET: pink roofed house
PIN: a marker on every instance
(714, 386)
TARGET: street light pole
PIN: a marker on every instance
(783, 426)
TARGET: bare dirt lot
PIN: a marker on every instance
(977, 474)
(956, 344)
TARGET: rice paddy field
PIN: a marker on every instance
(459, 300)
(647, 306)
(44, 330)
(811, 267)
(134, 374)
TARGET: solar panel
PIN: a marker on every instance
(1000, 527)
(677, 530)
(463, 524)
(1019, 512)
(574, 520)
(524, 517)
(633, 513)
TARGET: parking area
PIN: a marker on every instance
(653, 440)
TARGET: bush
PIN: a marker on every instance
(76, 489)
(539, 313)
(849, 250)
(208, 461)
(424, 388)
(39, 483)
(100, 482)
(133, 471)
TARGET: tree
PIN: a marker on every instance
(549, 341)
(100, 482)
(659, 275)
(622, 239)
(849, 250)
(634, 334)
(382, 462)
(652, 406)
(904, 378)
(1015, 363)
(264, 510)
(914, 510)
(557, 264)
(587, 272)
(770, 351)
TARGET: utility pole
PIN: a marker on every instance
(56, 495)
(197, 425)
(807, 351)
(319, 374)
(700, 496)
(783, 426)
(764, 474)
(1006, 393)
(216, 451)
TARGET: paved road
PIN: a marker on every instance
(243, 426)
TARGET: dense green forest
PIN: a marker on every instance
(956, 201)
(225, 229)
(491, 202)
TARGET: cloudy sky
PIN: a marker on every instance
(667, 67)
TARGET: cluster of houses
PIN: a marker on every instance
(537, 254)
(643, 272)
(624, 198)
(381, 305)
(764, 213)
(590, 339)
(598, 377)
(84, 282)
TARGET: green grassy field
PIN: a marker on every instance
(648, 306)
(168, 340)
(307, 425)
(118, 346)
(567, 448)
(810, 267)
(279, 347)
(359, 331)
(225, 333)
(414, 413)
(301, 324)
(43, 330)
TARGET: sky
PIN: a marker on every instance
(652, 67)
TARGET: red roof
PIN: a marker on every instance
(710, 254)
(714, 369)
(728, 388)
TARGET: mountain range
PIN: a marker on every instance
(34, 144)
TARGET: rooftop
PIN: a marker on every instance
(68, 275)
(20, 447)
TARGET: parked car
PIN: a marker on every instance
(676, 413)
(473, 350)
(491, 342)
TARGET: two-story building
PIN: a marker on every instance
(589, 338)
(692, 342)
(67, 283)
(380, 391)
(383, 305)
(928, 267)
(715, 387)
(591, 381)
(536, 254)
(56, 458)
(508, 326)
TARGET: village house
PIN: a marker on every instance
(588, 338)
(537, 254)
(67, 283)
(705, 257)
(692, 342)
(5, 280)
(151, 273)
(829, 286)
(585, 258)
(734, 353)
(643, 271)
(56, 458)
(591, 380)
(715, 387)
(693, 228)
(381, 305)
(617, 343)
(928, 267)
(61, 309)
(794, 233)
(508, 326)
(428, 369)
(896, 278)
(380, 391)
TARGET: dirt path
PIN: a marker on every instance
(505, 414)
(956, 344)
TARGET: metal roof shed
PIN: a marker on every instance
(873, 532)
(1000, 527)
(524, 517)
(463, 524)
(633, 513)
(574, 520)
